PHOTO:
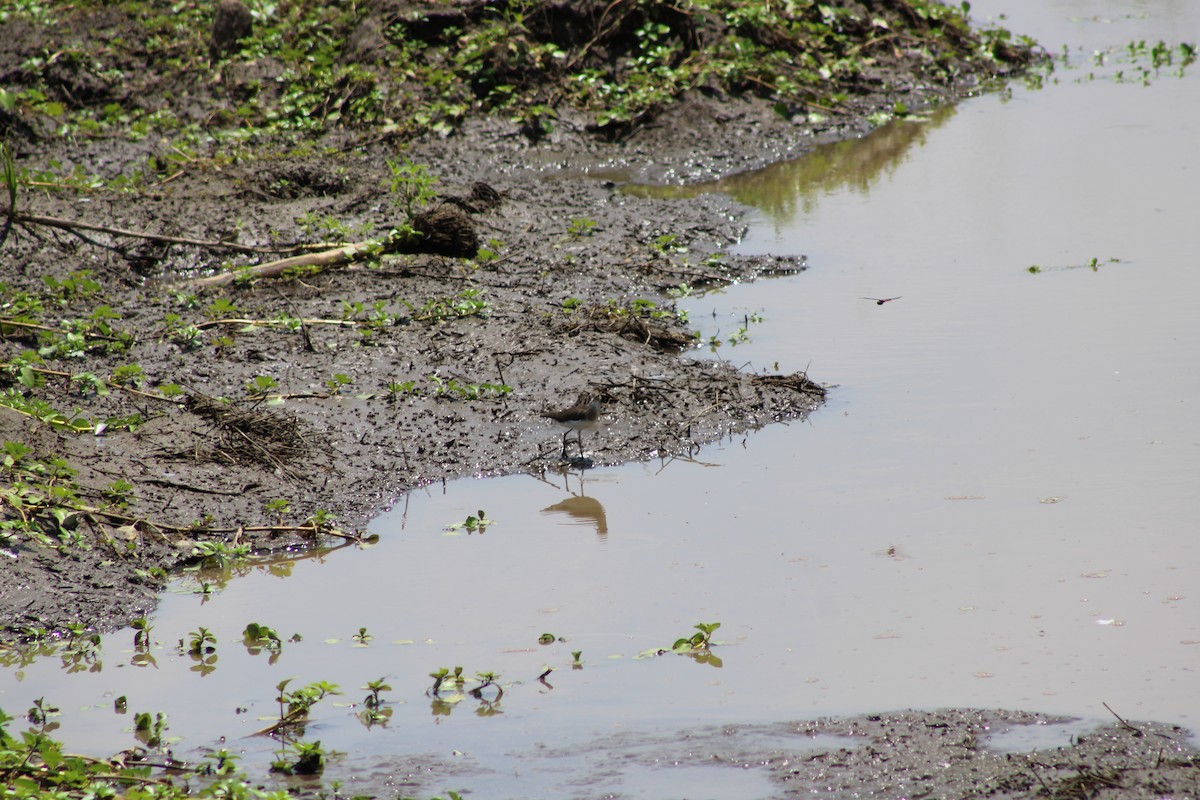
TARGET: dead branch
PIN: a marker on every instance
(445, 230)
(268, 323)
(325, 259)
(75, 225)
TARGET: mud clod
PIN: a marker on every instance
(445, 231)
(232, 23)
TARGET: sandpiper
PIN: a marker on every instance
(576, 418)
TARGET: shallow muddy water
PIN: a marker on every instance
(996, 507)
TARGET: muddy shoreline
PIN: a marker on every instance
(158, 420)
(385, 378)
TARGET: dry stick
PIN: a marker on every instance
(73, 225)
(1039, 779)
(1124, 724)
(308, 345)
(273, 269)
(180, 529)
(347, 323)
(54, 373)
(6, 322)
(705, 276)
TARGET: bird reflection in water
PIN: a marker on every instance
(581, 509)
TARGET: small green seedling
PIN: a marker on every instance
(279, 506)
(141, 636)
(261, 386)
(335, 383)
(580, 226)
(202, 642)
(701, 640)
(258, 637)
(477, 523)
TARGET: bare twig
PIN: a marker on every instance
(345, 323)
(75, 225)
(1136, 731)
(273, 269)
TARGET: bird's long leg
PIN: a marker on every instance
(565, 435)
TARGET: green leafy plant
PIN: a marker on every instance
(222, 307)
(213, 554)
(374, 710)
(201, 641)
(453, 389)
(443, 676)
(701, 640)
(141, 632)
(257, 637)
(40, 713)
(149, 729)
(468, 303)
(398, 389)
(128, 375)
(666, 244)
(335, 383)
(294, 706)
(412, 185)
(280, 507)
(473, 523)
(300, 758)
(320, 520)
(74, 286)
(185, 335)
(119, 493)
(261, 385)
(580, 227)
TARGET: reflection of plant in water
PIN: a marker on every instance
(149, 730)
(786, 187)
(238, 566)
(81, 651)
